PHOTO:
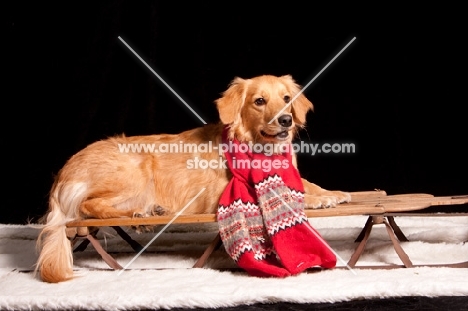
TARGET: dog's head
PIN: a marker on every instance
(259, 109)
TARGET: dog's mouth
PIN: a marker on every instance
(283, 135)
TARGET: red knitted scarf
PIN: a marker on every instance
(261, 216)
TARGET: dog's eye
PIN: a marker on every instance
(260, 101)
(287, 98)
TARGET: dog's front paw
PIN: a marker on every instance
(319, 201)
(341, 197)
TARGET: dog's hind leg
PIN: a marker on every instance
(104, 208)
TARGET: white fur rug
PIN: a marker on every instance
(433, 240)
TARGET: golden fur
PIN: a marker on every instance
(100, 181)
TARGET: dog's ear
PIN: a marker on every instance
(301, 105)
(229, 106)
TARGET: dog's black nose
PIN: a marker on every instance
(285, 120)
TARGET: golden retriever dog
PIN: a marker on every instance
(104, 181)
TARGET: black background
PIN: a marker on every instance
(398, 92)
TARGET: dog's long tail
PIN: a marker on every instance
(55, 262)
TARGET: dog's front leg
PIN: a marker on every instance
(317, 197)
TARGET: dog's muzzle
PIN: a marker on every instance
(286, 122)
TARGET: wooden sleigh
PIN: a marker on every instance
(377, 206)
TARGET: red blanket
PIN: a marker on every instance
(261, 216)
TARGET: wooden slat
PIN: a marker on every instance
(411, 195)
(452, 200)
(421, 203)
(358, 195)
(345, 209)
(422, 214)
(145, 221)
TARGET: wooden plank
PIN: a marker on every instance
(422, 214)
(375, 199)
(144, 221)
(421, 203)
(411, 195)
(345, 209)
(452, 200)
(359, 195)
